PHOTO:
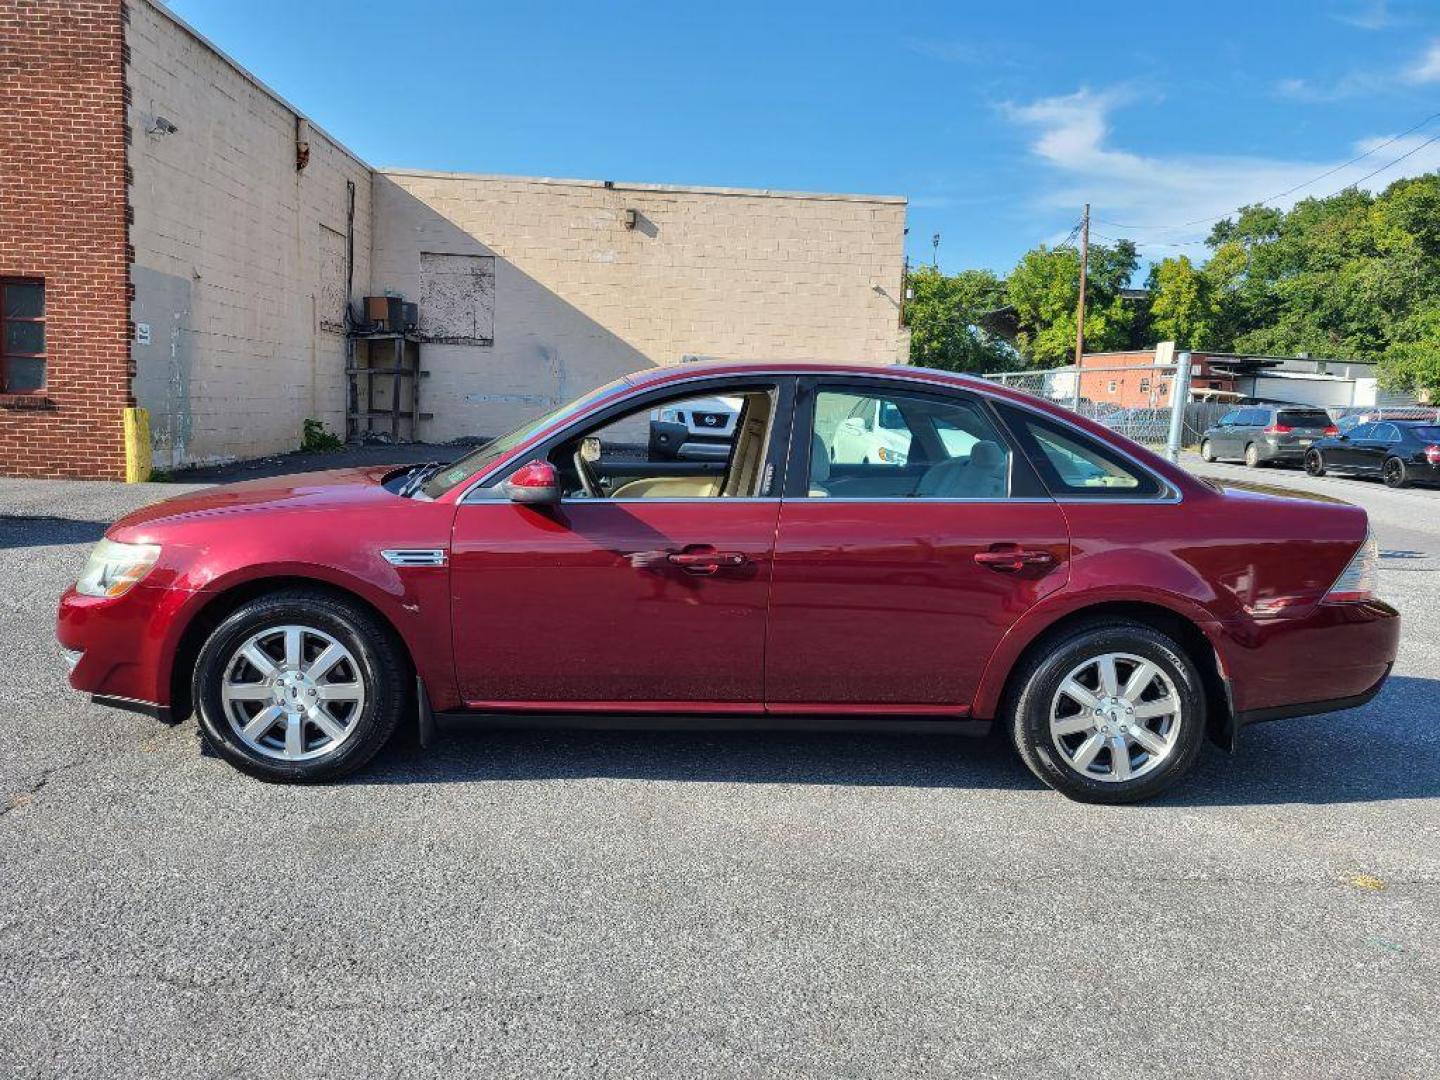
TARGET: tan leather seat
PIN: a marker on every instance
(819, 467)
(668, 487)
(979, 476)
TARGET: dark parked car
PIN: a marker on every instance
(1257, 434)
(1023, 567)
(1400, 453)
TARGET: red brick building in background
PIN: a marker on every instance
(1129, 379)
(65, 370)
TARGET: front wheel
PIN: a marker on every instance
(1113, 713)
(299, 686)
(1314, 463)
(1207, 453)
(1395, 473)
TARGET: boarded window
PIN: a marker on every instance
(457, 298)
(330, 290)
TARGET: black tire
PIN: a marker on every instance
(1252, 456)
(382, 667)
(1395, 474)
(1037, 682)
(1315, 463)
(1206, 453)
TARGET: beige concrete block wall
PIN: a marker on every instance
(579, 299)
(235, 253)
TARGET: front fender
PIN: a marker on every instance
(414, 600)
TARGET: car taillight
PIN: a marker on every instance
(1361, 579)
(1432, 454)
(1278, 429)
(1332, 430)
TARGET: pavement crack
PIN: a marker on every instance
(32, 787)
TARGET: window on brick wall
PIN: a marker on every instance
(22, 336)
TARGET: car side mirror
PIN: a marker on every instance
(536, 483)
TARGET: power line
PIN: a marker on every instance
(1313, 180)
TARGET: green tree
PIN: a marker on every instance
(1181, 308)
(1413, 362)
(1044, 289)
(944, 315)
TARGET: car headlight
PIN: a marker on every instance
(114, 568)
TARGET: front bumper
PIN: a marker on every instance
(119, 649)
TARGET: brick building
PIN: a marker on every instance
(175, 236)
(1130, 379)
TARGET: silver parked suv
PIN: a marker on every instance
(1257, 434)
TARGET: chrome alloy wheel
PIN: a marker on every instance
(1115, 717)
(292, 693)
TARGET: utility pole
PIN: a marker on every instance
(1080, 310)
(904, 289)
(935, 251)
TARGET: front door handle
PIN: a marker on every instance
(705, 560)
(1010, 558)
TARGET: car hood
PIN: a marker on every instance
(302, 491)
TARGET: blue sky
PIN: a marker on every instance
(997, 120)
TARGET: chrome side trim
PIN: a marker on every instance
(414, 556)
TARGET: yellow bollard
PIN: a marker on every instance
(137, 446)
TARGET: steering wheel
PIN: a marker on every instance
(587, 452)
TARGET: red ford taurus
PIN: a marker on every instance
(889, 547)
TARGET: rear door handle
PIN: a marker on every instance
(1010, 558)
(705, 560)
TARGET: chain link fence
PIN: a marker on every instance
(1143, 402)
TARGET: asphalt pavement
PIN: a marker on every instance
(548, 904)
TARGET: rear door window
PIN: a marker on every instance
(1073, 464)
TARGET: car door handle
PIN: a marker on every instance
(707, 561)
(1009, 558)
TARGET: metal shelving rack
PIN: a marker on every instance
(377, 362)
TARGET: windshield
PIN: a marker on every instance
(485, 455)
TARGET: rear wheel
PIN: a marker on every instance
(1113, 713)
(1395, 473)
(299, 686)
(1314, 463)
(1206, 452)
(1252, 455)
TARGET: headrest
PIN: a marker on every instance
(987, 455)
(819, 460)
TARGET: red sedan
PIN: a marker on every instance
(990, 559)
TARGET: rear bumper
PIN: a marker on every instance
(1336, 656)
(1270, 451)
(1311, 708)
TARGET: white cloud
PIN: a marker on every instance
(1427, 68)
(951, 50)
(1424, 69)
(1375, 15)
(1354, 84)
(1163, 192)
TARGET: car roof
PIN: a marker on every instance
(680, 372)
